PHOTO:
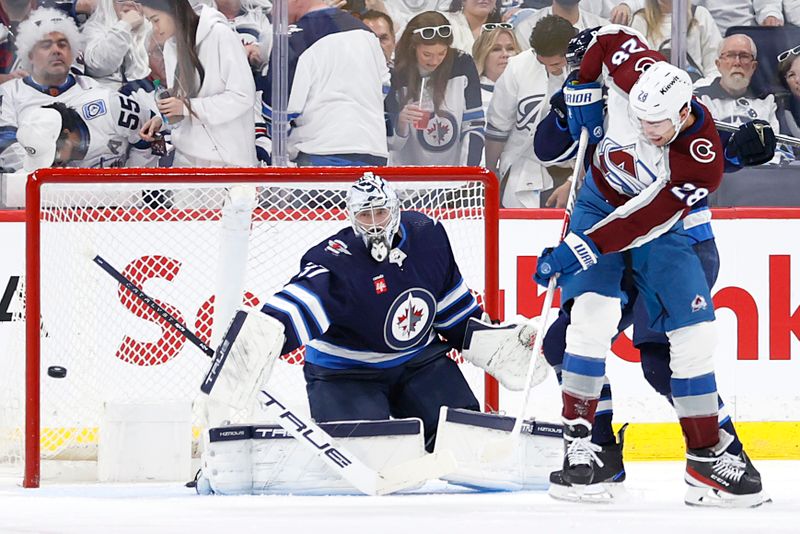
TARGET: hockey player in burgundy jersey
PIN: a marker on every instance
(657, 155)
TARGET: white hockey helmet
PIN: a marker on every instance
(40, 23)
(660, 93)
(366, 201)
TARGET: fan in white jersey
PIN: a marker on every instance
(57, 135)
(48, 41)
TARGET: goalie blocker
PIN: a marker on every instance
(242, 362)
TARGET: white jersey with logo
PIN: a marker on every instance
(113, 119)
(520, 100)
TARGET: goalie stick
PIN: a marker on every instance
(500, 448)
(341, 461)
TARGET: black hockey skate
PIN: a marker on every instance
(719, 478)
(608, 475)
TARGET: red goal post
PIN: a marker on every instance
(159, 224)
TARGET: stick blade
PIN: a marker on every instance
(416, 471)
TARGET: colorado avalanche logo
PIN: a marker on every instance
(441, 133)
(409, 319)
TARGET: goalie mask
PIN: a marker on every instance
(374, 212)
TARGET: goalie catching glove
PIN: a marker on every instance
(504, 350)
(242, 362)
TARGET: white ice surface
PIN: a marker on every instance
(653, 505)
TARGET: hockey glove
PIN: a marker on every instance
(753, 144)
(559, 108)
(577, 252)
(585, 109)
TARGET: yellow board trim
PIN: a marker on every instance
(765, 440)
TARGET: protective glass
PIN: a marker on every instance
(489, 26)
(430, 32)
(786, 53)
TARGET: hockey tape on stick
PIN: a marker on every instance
(780, 138)
(342, 461)
(153, 305)
(497, 449)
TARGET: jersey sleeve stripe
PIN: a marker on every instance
(312, 303)
(292, 310)
(452, 296)
(458, 317)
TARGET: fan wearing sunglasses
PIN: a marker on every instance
(789, 110)
(470, 18)
(435, 98)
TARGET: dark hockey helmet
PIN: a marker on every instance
(576, 48)
(374, 212)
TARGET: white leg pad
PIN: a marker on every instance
(244, 359)
(593, 324)
(691, 350)
(266, 459)
(504, 351)
(540, 450)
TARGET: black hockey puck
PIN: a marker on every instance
(56, 371)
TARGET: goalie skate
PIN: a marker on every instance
(608, 477)
(721, 479)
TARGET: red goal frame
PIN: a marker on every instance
(252, 175)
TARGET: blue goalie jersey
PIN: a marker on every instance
(353, 312)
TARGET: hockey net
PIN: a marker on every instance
(199, 242)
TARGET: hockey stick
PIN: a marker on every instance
(780, 138)
(341, 461)
(498, 449)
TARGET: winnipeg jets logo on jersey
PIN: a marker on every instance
(409, 319)
(441, 133)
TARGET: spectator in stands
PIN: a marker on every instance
(383, 26)
(577, 16)
(520, 100)
(469, 18)
(491, 53)
(729, 13)
(402, 11)
(12, 12)
(210, 107)
(338, 72)
(729, 96)
(616, 11)
(435, 98)
(47, 41)
(116, 37)
(789, 71)
(249, 20)
(702, 38)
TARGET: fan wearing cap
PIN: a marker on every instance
(656, 157)
(48, 42)
(52, 136)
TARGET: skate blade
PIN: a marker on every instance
(712, 497)
(593, 493)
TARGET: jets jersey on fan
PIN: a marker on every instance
(454, 135)
(652, 187)
(351, 311)
(113, 119)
